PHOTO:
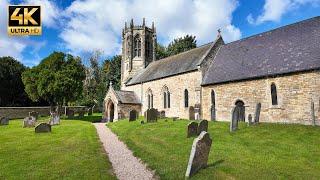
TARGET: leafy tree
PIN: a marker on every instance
(58, 79)
(114, 73)
(12, 89)
(177, 46)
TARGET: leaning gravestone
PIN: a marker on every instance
(133, 115)
(43, 128)
(34, 114)
(257, 113)
(70, 113)
(191, 113)
(234, 120)
(203, 126)
(29, 122)
(249, 119)
(55, 119)
(4, 121)
(199, 154)
(192, 129)
(151, 115)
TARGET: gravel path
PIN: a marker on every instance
(125, 165)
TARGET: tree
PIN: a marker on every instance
(58, 79)
(114, 74)
(177, 46)
(12, 89)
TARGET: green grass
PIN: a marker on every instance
(71, 151)
(266, 151)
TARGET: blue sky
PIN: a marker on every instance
(81, 27)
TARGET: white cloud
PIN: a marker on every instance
(273, 10)
(97, 24)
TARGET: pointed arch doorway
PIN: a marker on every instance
(110, 111)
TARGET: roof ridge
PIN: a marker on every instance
(275, 29)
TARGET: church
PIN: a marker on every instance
(278, 70)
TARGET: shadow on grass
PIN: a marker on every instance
(217, 163)
(92, 118)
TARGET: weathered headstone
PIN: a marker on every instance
(43, 128)
(249, 119)
(54, 119)
(199, 154)
(133, 115)
(203, 126)
(70, 113)
(175, 118)
(81, 114)
(4, 121)
(313, 116)
(257, 113)
(29, 121)
(151, 115)
(192, 129)
(34, 114)
(234, 120)
(191, 113)
(162, 114)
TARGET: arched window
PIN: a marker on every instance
(137, 46)
(166, 97)
(274, 96)
(186, 98)
(213, 98)
(150, 99)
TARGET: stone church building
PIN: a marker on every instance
(278, 69)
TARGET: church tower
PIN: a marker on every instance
(138, 49)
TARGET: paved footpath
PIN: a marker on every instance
(125, 165)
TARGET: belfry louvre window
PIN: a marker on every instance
(274, 96)
(186, 98)
(137, 46)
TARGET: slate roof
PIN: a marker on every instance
(173, 65)
(127, 97)
(288, 49)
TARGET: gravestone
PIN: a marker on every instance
(234, 120)
(43, 128)
(249, 119)
(191, 113)
(133, 115)
(4, 121)
(313, 116)
(29, 121)
(151, 115)
(175, 118)
(34, 114)
(70, 113)
(203, 126)
(199, 154)
(81, 114)
(54, 119)
(257, 113)
(162, 114)
(192, 129)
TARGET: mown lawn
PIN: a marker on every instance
(71, 151)
(266, 151)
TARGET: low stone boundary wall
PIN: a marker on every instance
(22, 112)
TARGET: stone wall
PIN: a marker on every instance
(295, 93)
(22, 112)
(176, 85)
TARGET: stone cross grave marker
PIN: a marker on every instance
(54, 119)
(191, 113)
(199, 154)
(133, 115)
(257, 113)
(203, 126)
(29, 121)
(234, 120)
(34, 114)
(4, 121)
(151, 115)
(192, 129)
(43, 128)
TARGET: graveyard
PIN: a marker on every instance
(71, 150)
(264, 151)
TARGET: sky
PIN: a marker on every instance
(81, 27)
